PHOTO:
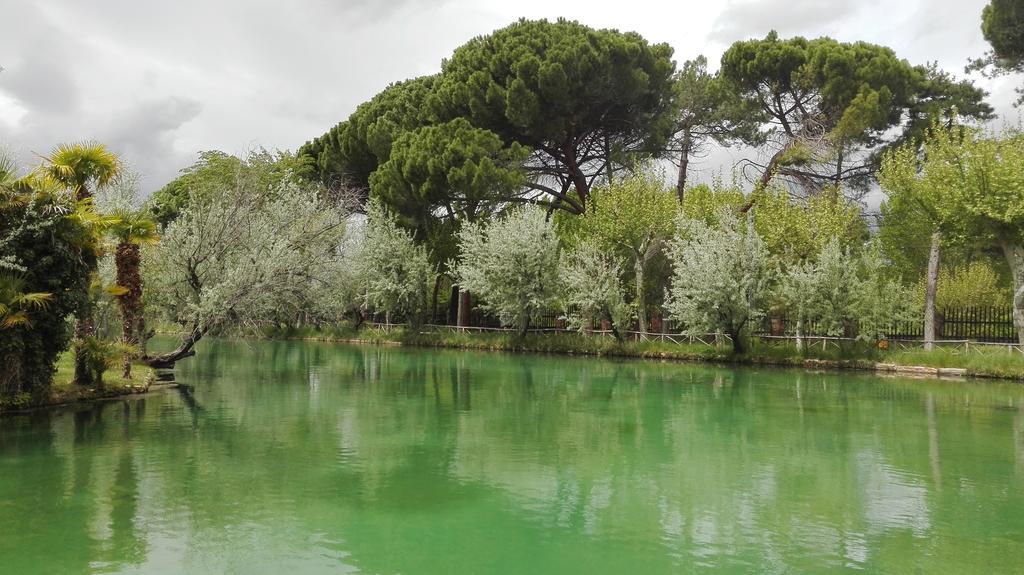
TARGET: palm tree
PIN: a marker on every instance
(132, 229)
(81, 165)
(77, 167)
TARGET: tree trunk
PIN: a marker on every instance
(773, 166)
(615, 329)
(524, 325)
(608, 159)
(127, 259)
(1014, 253)
(184, 349)
(641, 303)
(839, 168)
(11, 379)
(433, 298)
(576, 176)
(684, 164)
(770, 170)
(85, 327)
(738, 345)
(931, 288)
(453, 305)
(464, 305)
(800, 334)
(82, 193)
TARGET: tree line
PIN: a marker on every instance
(529, 173)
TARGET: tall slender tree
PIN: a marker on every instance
(81, 168)
(971, 182)
(633, 218)
(132, 229)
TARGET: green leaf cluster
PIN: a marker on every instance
(215, 171)
(1002, 22)
(972, 188)
(438, 176)
(46, 255)
(796, 229)
(841, 99)
(564, 101)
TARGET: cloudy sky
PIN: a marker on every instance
(160, 81)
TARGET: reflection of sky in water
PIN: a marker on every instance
(893, 499)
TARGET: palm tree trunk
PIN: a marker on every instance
(127, 260)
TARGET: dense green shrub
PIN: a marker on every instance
(44, 241)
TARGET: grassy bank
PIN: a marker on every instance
(65, 391)
(996, 363)
(993, 363)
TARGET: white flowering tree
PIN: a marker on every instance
(512, 264)
(592, 289)
(395, 272)
(721, 278)
(243, 254)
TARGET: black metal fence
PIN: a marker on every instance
(978, 323)
(987, 324)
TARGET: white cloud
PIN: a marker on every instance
(162, 81)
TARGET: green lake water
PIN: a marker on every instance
(294, 458)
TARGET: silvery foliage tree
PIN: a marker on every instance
(820, 290)
(345, 297)
(244, 254)
(591, 288)
(512, 264)
(840, 290)
(879, 301)
(721, 278)
(395, 272)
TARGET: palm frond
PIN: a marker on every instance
(135, 227)
(17, 319)
(116, 290)
(37, 300)
(76, 165)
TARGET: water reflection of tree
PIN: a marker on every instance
(391, 448)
